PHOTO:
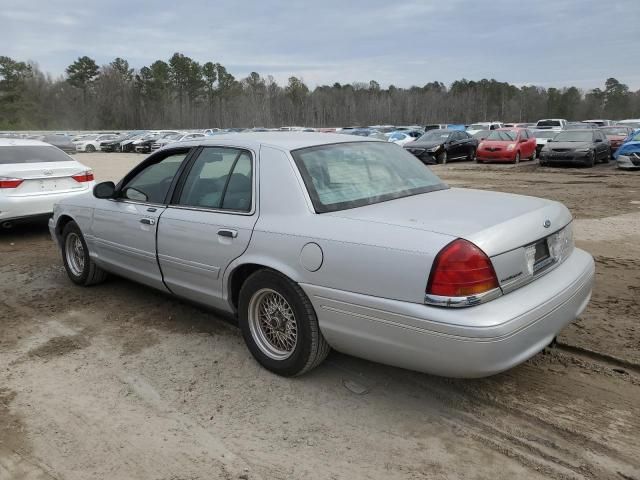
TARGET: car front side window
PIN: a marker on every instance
(151, 185)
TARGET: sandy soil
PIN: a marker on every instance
(122, 382)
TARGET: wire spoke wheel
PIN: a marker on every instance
(74, 252)
(273, 324)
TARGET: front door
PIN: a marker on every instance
(208, 223)
(123, 231)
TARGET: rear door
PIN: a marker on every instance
(209, 222)
(123, 231)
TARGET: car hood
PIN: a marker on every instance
(627, 148)
(423, 144)
(570, 145)
(496, 222)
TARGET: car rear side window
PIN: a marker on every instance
(220, 178)
(32, 154)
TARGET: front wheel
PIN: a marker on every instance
(90, 148)
(279, 324)
(471, 155)
(517, 159)
(607, 157)
(79, 266)
(443, 157)
(591, 160)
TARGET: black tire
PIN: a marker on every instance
(90, 148)
(471, 155)
(591, 160)
(310, 349)
(90, 274)
(442, 157)
(607, 157)
(533, 156)
(517, 159)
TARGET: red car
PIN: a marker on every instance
(616, 135)
(507, 145)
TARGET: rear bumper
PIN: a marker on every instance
(13, 208)
(471, 342)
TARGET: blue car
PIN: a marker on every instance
(630, 145)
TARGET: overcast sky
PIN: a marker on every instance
(540, 42)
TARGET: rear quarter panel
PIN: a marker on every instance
(357, 256)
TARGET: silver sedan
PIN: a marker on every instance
(318, 241)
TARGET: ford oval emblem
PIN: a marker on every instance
(547, 223)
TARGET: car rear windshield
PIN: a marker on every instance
(354, 174)
(502, 135)
(32, 154)
(549, 123)
(615, 131)
(574, 136)
(544, 133)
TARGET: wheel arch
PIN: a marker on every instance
(62, 222)
(237, 274)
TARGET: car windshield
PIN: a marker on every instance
(573, 136)
(349, 175)
(435, 136)
(477, 126)
(620, 131)
(502, 135)
(32, 154)
(481, 134)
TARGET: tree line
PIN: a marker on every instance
(182, 93)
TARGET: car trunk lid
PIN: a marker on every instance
(43, 178)
(495, 222)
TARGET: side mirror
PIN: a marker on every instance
(104, 190)
(598, 140)
(523, 140)
(550, 140)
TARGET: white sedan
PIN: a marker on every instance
(91, 143)
(33, 176)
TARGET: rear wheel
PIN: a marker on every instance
(533, 155)
(279, 324)
(79, 266)
(443, 157)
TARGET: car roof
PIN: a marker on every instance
(22, 142)
(280, 140)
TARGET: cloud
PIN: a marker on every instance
(412, 42)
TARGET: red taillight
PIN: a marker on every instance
(10, 182)
(83, 177)
(460, 270)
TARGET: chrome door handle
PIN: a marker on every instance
(228, 233)
(148, 221)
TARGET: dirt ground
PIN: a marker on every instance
(122, 382)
